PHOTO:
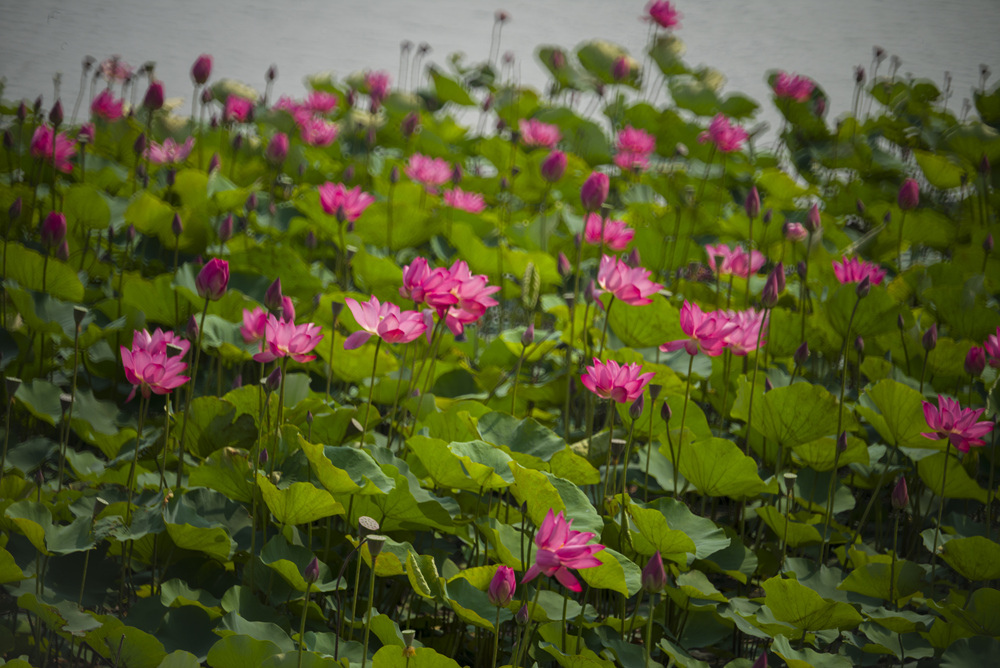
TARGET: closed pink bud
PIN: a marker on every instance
(900, 495)
(154, 96)
(226, 229)
(277, 149)
(654, 575)
(177, 225)
(501, 590)
(213, 279)
(56, 115)
(62, 252)
(311, 572)
(761, 661)
(620, 70)
(214, 163)
(410, 124)
(202, 69)
(565, 269)
(752, 203)
(594, 191)
(813, 220)
(909, 195)
(975, 361)
(771, 292)
(929, 340)
(53, 230)
(554, 166)
(272, 298)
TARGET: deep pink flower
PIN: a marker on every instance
(213, 279)
(594, 191)
(663, 14)
(254, 325)
(201, 69)
(294, 108)
(855, 271)
(635, 140)
(502, 586)
(617, 235)
(949, 420)
(53, 230)
(708, 331)
(378, 86)
(169, 152)
(735, 261)
(975, 361)
(285, 338)
(992, 348)
(726, 136)
(554, 166)
(622, 383)
(457, 198)
(321, 102)
(909, 195)
(425, 285)
(431, 172)
(107, 106)
(385, 321)
(748, 325)
(277, 148)
(318, 131)
(149, 367)
(560, 549)
(153, 99)
(627, 160)
(335, 197)
(65, 148)
(237, 109)
(537, 133)
(795, 232)
(793, 86)
(628, 284)
(472, 293)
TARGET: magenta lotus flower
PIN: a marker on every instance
(734, 261)
(609, 380)
(457, 198)
(855, 271)
(472, 294)
(169, 152)
(793, 86)
(708, 331)
(663, 14)
(554, 166)
(502, 586)
(377, 84)
(425, 285)
(594, 191)
(795, 232)
(318, 131)
(536, 133)
(726, 136)
(153, 100)
(321, 102)
(975, 361)
(201, 69)
(337, 200)
(628, 284)
(283, 338)
(237, 109)
(634, 140)
(748, 333)
(992, 348)
(909, 195)
(385, 321)
(560, 549)
(107, 106)
(615, 233)
(213, 279)
(431, 172)
(949, 420)
(277, 149)
(149, 367)
(53, 230)
(65, 148)
(254, 325)
(86, 133)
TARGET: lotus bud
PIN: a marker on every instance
(272, 73)
(929, 340)
(501, 590)
(864, 287)
(801, 354)
(191, 330)
(654, 575)
(860, 206)
(310, 240)
(665, 412)
(336, 308)
(529, 335)
(311, 573)
(153, 100)
(273, 380)
(394, 175)
(779, 272)
(202, 69)
(206, 97)
(565, 269)
(988, 244)
(909, 195)
(456, 174)
(975, 361)
(900, 323)
(768, 385)
(8, 140)
(277, 149)
(801, 269)
(139, 146)
(213, 279)
(636, 407)
(237, 142)
(859, 74)
(761, 661)
(859, 345)
(577, 240)
(594, 191)
(900, 495)
(22, 112)
(251, 203)
(522, 615)
(771, 291)
(287, 310)
(37, 107)
(53, 230)
(14, 212)
(238, 381)
(634, 259)
(654, 391)
(62, 252)
(620, 69)
(752, 203)
(56, 114)
(263, 458)
(351, 97)
(984, 165)
(214, 163)
(842, 442)
(813, 220)
(768, 215)
(410, 124)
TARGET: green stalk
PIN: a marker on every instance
(280, 415)
(395, 397)
(899, 244)
(937, 529)
(680, 443)
(524, 634)
(753, 384)
(371, 389)
(649, 455)
(190, 392)
(649, 627)
(607, 463)
(607, 319)
(496, 638)
(368, 614)
(892, 565)
(143, 405)
(302, 623)
(517, 377)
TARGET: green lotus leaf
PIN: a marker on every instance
(449, 90)
(646, 326)
(807, 658)
(797, 533)
(799, 413)
(896, 412)
(802, 607)
(60, 280)
(543, 492)
(299, 503)
(234, 624)
(616, 572)
(240, 650)
(425, 657)
(717, 467)
(975, 558)
(958, 484)
(346, 470)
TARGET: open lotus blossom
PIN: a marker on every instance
(633, 148)
(65, 148)
(254, 326)
(560, 549)
(615, 233)
(149, 367)
(457, 198)
(748, 334)
(317, 131)
(107, 106)
(337, 200)
(992, 348)
(385, 321)
(377, 84)
(855, 271)
(321, 102)
(734, 261)
(472, 294)
(237, 109)
(793, 86)
(537, 133)
(708, 331)
(628, 284)
(609, 380)
(286, 339)
(726, 136)
(169, 152)
(949, 420)
(663, 14)
(431, 172)
(424, 285)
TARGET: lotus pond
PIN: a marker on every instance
(619, 381)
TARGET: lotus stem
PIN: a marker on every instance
(944, 498)
(190, 392)
(680, 437)
(371, 389)
(607, 319)
(302, 623)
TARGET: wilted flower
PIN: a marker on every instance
(615, 234)
(537, 133)
(628, 284)
(213, 279)
(609, 380)
(726, 136)
(855, 270)
(502, 586)
(560, 549)
(949, 420)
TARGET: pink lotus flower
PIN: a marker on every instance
(626, 161)
(317, 131)
(277, 149)
(634, 140)
(735, 261)
(594, 191)
(949, 420)
(321, 102)
(148, 366)
(472, 297)
(795, 232)
(609, 380)
(748, 332)
(502, 586)
(237, 109)
(201, 69)
(106, 106)
(65, 148)
(793, 86)
(537, 133)
(286, 339)
(663, 14)
(708, 331)
(628, 284)
(254, 325)
(169, 152)
(424, 285)
(992, 348)
(560, 549)
(855, 271)
(115, 69)
(385, 321)
(431, 172)
(909, 195)
(726, 136)
(616, 234)
(337, 200)
(213, 279)
(457, 198)
(378, 86)
(554, 166)
(53, 230)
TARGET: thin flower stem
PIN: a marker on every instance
(649, 454)
(395, 397)
(923, 370)
(989, 493)
(302, 623)
(607, 319)
(69, 411)
(368, 614)
(190, 394)
(649, 628)
(899, 244)
(753, 387)
(607, 463)
(278, 417)
(527, 627)
(517, 377)
(804, 286)
(496, 637)
(944, 497)
(892, 565)
(680, 437)
(143, 405)
(371, 390)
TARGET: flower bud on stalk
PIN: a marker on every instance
(273, 380)
(594, 191)
(752, 203)
(929, 340)
(864, 287)
(502, 586)
(202, 69)
(226, 228)
(153, 101)
(909, 195)
(975, 361)
(900, 495)
(213, 279)
(311, 572)
(801, 354)
(654, 575)
(636, 407)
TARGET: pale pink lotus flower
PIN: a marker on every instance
(634, 140)
(431, 172)
(795, 231)
(378, 86)
(628, 284)
(949, 420)
(536, 133)
(735, 261)
(472, 293)
(992, 349)
(65, 148)
(317, 131)
(560, 549)
(335, 197)
(748, 334)
(793, 86)
(431, 286)
(107, 106)
(293, 107)
(663, 14)
(617, 235)
(708, 331)
(286, 339)
(149, 367)
(627, 160)
(169, 152)
(385, 321)
(457, 198)
(726, 136)
(115, 69)
(254, 326)
(855, 271)
(237, 109)
(622, 383)
(321, 102)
